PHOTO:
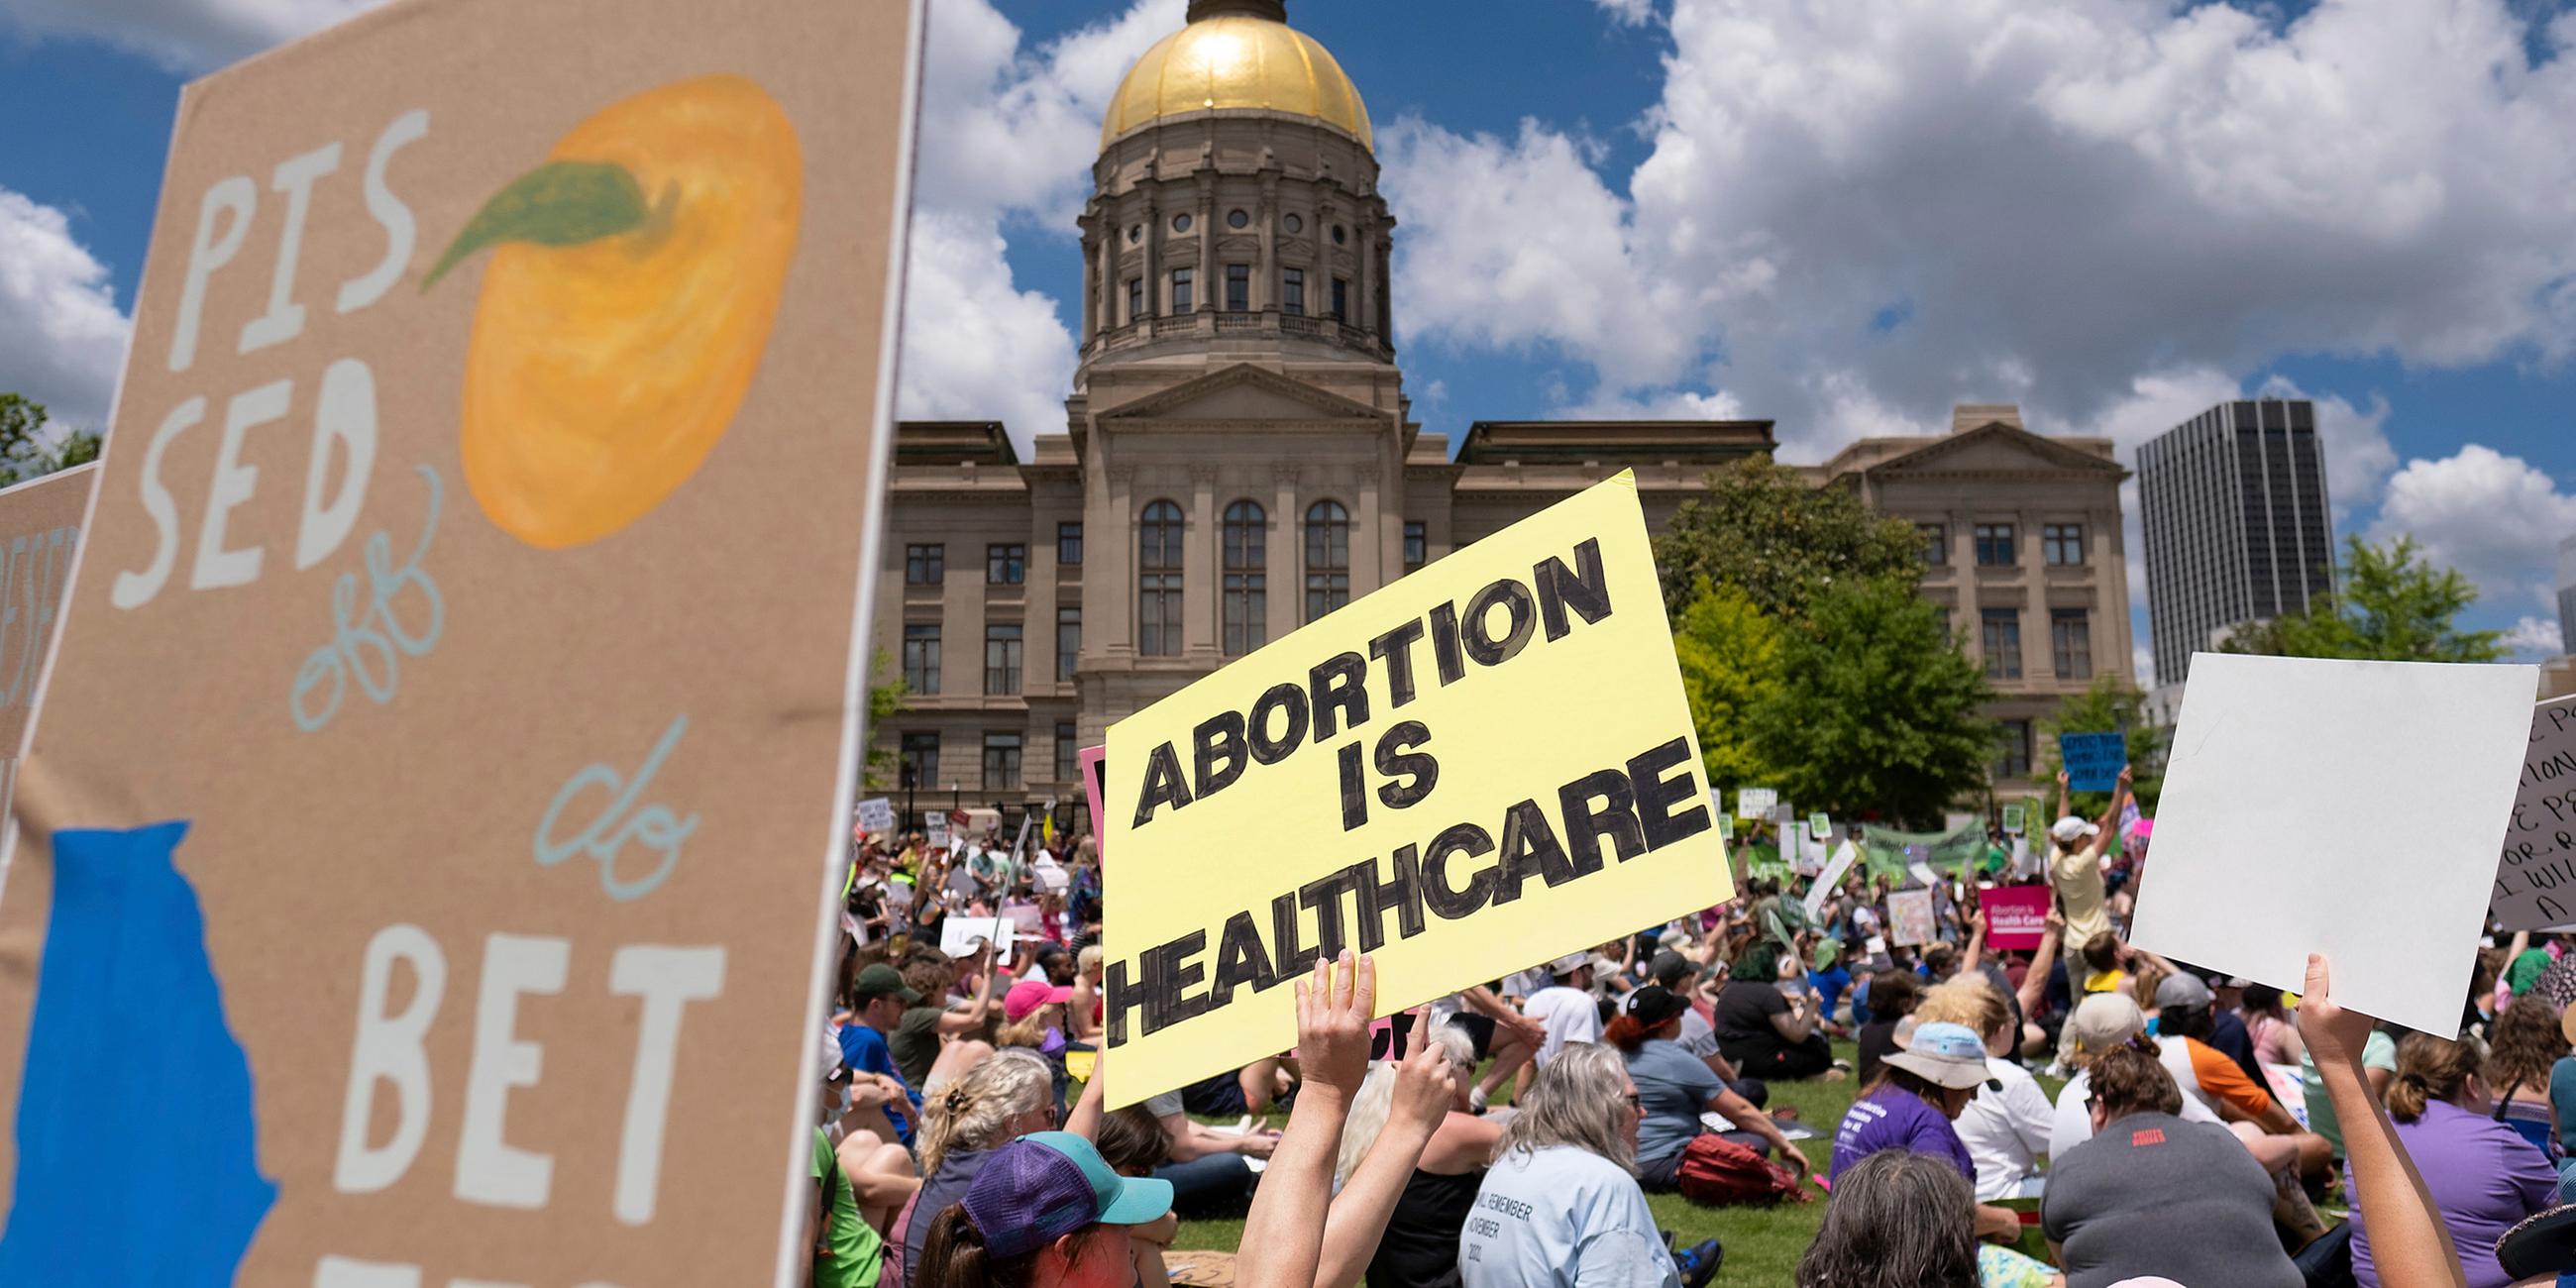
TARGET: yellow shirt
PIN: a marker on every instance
(2077, 875)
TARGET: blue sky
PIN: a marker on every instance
(1843, 218)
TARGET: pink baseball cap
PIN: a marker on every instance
(1030, 994)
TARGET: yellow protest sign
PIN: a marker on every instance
(1485, 765)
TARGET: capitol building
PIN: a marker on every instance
(1239, 456)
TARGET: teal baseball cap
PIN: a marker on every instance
(1049, 1184)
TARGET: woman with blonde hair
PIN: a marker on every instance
(1007, 1096)
(2482, 1175)
(2006, 1128)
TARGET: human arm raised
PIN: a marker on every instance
(1424, 1086)
(2034, 982)
(1334, 1006)
(970, 1017)
(2409, 1241)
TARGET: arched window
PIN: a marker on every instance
(1328, 558)
(1158, 581)
(1247, 585)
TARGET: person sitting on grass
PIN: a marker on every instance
(2484, 1176)
(2206, 1074)
(1893, 995)
(1910, 1106)
(2006, 1126)
(1561, 1206)
(1760, 1030)
(1043, 1212)
(2152, 1193)
(1901, 1220)
(1420, 1247)
(997, 1102)
(1674, 1089)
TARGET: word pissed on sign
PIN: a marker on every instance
(1484, 765)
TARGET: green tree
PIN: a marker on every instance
(23, 452)
(1877, 709)
(2391, 606)
(2111, 705)
(886, 695)
(1765, 530)
(1730, 659)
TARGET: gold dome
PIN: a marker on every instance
(1236, 60)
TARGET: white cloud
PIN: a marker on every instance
(2534, 639)
(2054, 202)
(974, 346)
(2494, 517)
(62, 337)
(1629, 13)
(1008, 136)
(184, 36)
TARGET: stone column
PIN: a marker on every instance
(1286, 566)
(1265, 215)
(1109, 527)
(1211, 292)
(1107, 272)
(1199, 598)
(1090, 293)
(1368, 532)
(2038, 663)
(1155, 303)
(1364, 249)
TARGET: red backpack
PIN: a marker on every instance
(1717, 1172)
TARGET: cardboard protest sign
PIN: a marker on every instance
(2093, 761)
(2266, 747)
(1414, 795)
(2535, 880)
(400, 762)
(1909, 917)
(877, 816)
(1725, 822)
(2012, 820)
(935, 831)
(1755, 803)
(1820, 827)
(1091, 759)
(2016, 916)
(40, 523)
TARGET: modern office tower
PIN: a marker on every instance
(2233, 503)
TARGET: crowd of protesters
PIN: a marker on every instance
(2207, 1130)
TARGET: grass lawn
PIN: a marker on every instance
(1762, 1244)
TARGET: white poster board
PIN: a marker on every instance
(959, 936)
(1755, 802)
(2270, 754)
(2535, 880)
(935, 830)
(877, 816)
(1844, 857)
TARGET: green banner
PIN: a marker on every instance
(1887, 853)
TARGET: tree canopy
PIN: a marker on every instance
(24, 454)
(2389, 605)
(1779, 540)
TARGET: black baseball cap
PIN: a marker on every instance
(1654, 1004)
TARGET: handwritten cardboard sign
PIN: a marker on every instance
(2535, 880)
(876, 815)
(2239, 884)
(401, 763)
(1409, 803)
(1756, 803)
(1909, 917)
(2093, 761)
(2016, 916)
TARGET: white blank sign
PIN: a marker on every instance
(2283, 831)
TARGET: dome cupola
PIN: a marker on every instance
(1236, 55)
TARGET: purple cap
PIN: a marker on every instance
(1048, 1184)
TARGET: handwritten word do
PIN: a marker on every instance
(370, 641)
(654, 827)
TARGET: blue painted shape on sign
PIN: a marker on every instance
(110, 1189)
(2093, 760)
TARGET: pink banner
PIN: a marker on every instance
(1090, 758)
(2016, 916)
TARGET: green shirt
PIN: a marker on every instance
(2380, 1052)
(2525, 970)
(915, 1043)
(857, 1254)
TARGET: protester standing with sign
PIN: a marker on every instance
(400, 765)
(1416, 799)
(2075, 863)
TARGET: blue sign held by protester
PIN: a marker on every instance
(2093, 760)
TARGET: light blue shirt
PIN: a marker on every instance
(1562, 1217)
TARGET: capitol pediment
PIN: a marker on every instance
(1243, 392)
(1995, 448)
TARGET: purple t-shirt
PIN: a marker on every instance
(2482, 1175)
(1894, 1118)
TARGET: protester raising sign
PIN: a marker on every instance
(2016, 916)
(2093, 761)
(1487, 763)
(1909, 917)
(432, 769)
(1756, 803)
